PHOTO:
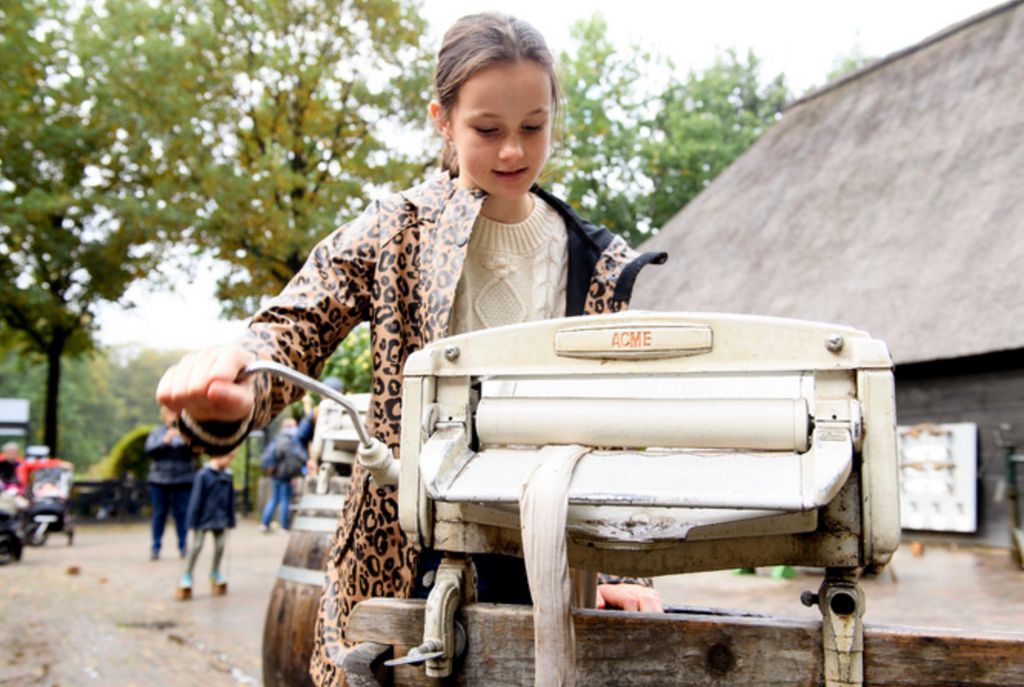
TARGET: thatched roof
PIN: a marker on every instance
(891, 200)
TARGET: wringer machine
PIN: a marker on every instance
(716, 442)
(335, 441)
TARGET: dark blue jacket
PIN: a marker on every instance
(170, 463)
(212, 504)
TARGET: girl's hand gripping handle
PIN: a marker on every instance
(207, 385)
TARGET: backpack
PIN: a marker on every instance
(288, 456)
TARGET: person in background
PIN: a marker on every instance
(12, 499)
(211, 508)
(171, 471)
(283, 459)
(12, 468)
(307, 426)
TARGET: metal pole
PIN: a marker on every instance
(310, 384)
(246, 508)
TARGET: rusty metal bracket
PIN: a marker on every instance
(841, 603)
(443, 638)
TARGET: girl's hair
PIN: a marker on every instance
(477, 41)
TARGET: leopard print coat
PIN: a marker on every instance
(396, 267)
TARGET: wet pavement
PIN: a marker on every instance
(116, 621)
(975, 589)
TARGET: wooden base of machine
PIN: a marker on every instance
(183, 593)
(218, 588)
(692, 647)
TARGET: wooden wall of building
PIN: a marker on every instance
(987, 390)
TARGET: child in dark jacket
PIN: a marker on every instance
(210, 508)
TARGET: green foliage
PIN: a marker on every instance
(636, 151)
(252, 448)
(127, 456)
(597, 164)
(103, 395)
(250, 129)
(352, 363)
(702, 125)
(78, 208)
(133, 376)
(272, 118)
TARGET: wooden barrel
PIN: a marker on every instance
(291, 614)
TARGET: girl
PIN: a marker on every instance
(478, 246)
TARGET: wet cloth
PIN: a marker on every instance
(543, 508)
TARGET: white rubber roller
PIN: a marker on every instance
(759, 424)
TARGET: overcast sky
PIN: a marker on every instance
(799, 38)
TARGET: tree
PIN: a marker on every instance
(352, 362)
(104, 394)
(597, 163)
(637, 147)
(134, 374)
(77, 206)
(127, 126)
(703, 124)
(85, 406)
(280, 119)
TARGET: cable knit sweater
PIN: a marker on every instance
(513, 272)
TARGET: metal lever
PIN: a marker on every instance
(310, 384)
(444, 638)
(432, 649)
(426, 651)
(372, 453)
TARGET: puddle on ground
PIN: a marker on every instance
(158, 625)
(219, 661)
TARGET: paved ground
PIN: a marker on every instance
(969, 588)
(116, 622)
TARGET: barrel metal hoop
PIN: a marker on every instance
(306, 524)
(290, 573)
(328, 502)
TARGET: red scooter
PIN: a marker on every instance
(49, 489)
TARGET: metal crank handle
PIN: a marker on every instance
(372, 454)
(431, 649)
(426, 651)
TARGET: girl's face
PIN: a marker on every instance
(500, 127)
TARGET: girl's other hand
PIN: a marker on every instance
(203, 383)
(629, 597)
